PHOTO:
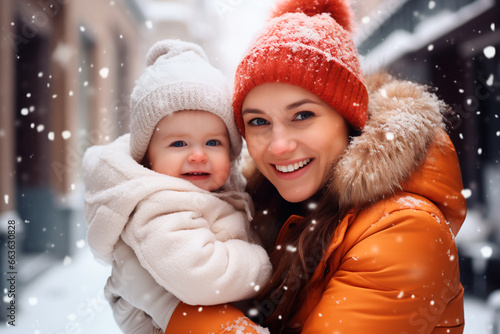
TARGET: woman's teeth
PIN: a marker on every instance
(294, 167)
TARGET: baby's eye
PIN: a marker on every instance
(213, 142)
(257, 122)
(304, 115)
(178, 143)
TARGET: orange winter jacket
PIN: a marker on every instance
(392, 266)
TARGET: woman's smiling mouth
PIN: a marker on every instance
(292, 167)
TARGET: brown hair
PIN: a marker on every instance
(280, 300)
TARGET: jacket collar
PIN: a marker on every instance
(394, 151)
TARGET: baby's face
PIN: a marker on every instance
(192, 145)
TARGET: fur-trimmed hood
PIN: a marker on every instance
(394, 149)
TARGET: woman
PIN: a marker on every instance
(357, 188)
(373, 247)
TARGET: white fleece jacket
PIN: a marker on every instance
(195, 244)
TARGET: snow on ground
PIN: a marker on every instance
(68, 299)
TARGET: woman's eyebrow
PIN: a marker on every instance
(288, 107)
(299, 103)
(251, 111)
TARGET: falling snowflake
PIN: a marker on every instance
(80, 243)
(489, 82)
(67, 261)
(51, 136)
(33, 301)
(66, 134)
(486, 252)
(466, 193)
(104, 72)
(253, 312)
(24, 111)
(489, 52)
(149, 24)
(432, 4)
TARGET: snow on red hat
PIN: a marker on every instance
(307, 43)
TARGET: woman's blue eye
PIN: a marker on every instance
(304, 115)
(213, 142)
(257, 122)
(178, 143)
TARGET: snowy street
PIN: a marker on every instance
(68, 70)
(68, 299)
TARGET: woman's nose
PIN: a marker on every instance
(282, 142)
(197, 155)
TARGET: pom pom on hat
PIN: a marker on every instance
(178, 77)
(339, 10)
(172, 48)
(307, 44)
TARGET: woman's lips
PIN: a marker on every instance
(292, 170)
(292, 167)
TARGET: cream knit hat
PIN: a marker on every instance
(178, 77)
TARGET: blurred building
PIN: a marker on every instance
(454, 46)
(67, 69)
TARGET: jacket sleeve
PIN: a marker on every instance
(131, 290)
(399, 277)
(131, 320)
(216, 319)
(186, 257)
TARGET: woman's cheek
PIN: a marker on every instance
(254, 152)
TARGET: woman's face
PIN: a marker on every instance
(294, 137)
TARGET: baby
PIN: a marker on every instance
(165, 205)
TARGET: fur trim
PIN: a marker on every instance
(403, 120)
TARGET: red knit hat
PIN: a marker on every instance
(307, 44)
